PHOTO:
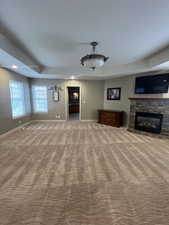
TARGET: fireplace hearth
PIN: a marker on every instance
(150, 122)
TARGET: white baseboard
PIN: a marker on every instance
(88, 121)
(63, 120)
(48, 120)
(14, 129)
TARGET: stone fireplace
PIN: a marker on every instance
(150, 122)
(149, 115)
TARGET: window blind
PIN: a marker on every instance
(17, 98)
(39, 97)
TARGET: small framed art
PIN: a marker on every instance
(55, 96)
(113, 93)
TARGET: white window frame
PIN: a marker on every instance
(20, 98)
(35, 99)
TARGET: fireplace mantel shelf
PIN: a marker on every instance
(146, 99)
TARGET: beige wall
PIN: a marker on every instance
(127, 85)
(6, 121)
(91, 98)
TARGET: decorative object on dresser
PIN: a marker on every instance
(113, 93)
(111, 117)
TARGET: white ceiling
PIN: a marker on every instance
(55, 32)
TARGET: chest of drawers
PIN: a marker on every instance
(111, 118)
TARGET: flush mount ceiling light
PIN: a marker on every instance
(93, 60)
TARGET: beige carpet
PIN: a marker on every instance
(81, 173)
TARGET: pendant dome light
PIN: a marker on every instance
(93, 60)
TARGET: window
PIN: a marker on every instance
(39, 97)
(17, 99)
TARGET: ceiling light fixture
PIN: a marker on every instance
(93, 60)
(14, 67)
(72, 78)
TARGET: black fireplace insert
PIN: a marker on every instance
(150, 122)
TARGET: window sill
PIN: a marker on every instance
(20, 117)
(40, 112)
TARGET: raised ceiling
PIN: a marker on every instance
(55, 32)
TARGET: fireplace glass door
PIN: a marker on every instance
(150, 122)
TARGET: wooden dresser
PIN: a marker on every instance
(111, 117)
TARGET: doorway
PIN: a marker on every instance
(73, 103)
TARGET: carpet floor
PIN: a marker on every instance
(83, 173)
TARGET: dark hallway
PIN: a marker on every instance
(73, 103)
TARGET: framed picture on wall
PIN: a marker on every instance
(55, 96)
(113, 93)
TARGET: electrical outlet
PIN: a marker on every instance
(57, 116)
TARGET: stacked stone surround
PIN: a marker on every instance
(160, 105)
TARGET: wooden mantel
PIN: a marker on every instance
(148, 99)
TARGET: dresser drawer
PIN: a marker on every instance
(112, 118)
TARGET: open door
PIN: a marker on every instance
(73, 103)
